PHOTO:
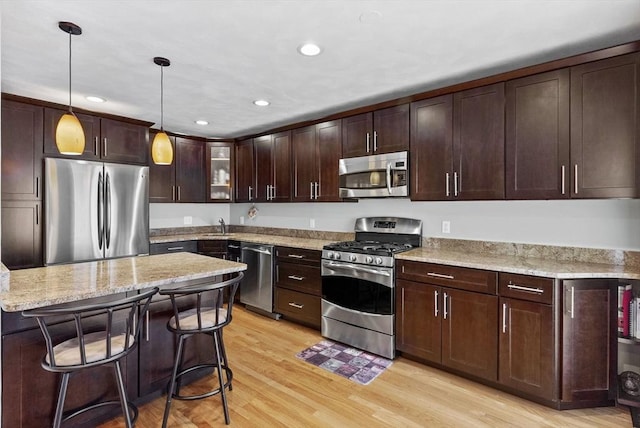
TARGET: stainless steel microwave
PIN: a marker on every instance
(375, 176)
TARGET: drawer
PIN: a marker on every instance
(173, 247)
(298, 306)
(212, 246)
(525, 287)
(298, 254)
(478, 280)
(299, 277)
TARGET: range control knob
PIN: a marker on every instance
(336, 256)
(368, 259)
(352, 257)
(378, 260)
(330, 254)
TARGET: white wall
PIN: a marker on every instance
(609, 223)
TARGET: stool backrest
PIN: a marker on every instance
(94, 320)
(212, 299)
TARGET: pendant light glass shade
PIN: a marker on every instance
(69, 133)
(162, 149)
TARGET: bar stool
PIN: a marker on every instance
(97, 342)
(209, 316)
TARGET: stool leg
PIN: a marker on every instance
(57, 420)
(172, 383)
(224, 356)
(123, 394)
(223, 393)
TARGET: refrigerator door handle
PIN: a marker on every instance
(100, 210)
(107, 211)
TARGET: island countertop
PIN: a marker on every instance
(44, 286)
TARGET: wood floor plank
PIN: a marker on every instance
(273, 388)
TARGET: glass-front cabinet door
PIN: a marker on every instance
(220, 171)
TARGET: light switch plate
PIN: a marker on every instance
(446, 226)
(188, 219)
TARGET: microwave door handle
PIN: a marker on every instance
(389, 177)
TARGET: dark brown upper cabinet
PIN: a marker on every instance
(537, 136)
(162, 178)
(604, 128)
(21, 151)
(245, 171)
(273, 171)
(108, 140)
(382, 131)
(457, 145)
(184, 179)
(315, 153)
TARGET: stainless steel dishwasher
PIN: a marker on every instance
(256, 288)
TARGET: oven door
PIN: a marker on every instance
(365, 289)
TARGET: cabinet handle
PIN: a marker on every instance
(435, 303)
(268, 193)
(504, 318)
(179, 198)
(146, 330)
(173, 193)
(104, 146)
(296, 256)
(317, 189)
(95, 145)
(444, 305)
(250, 190)
(571, 302)
(297, 278)
(375, 141)
(440, 275)
(367, 142)
(37, 187)
(175, 248)
(455, 184)
(233, 246)
(523, 288)
(37, 214)
(575, 178)
(446, 184)
(296, 305)
(273, 192)
(562, 178)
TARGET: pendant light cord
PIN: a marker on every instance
(70, 110)
(162, 98)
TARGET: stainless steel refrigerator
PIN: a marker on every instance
(95, 210)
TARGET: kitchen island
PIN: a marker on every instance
(29, 392)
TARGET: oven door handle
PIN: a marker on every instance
(358, 268)
(389, 177)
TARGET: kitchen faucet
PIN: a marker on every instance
(222, 226)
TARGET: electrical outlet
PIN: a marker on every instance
(241, 219)
(312, 223)
(188, 219)
(446, 226)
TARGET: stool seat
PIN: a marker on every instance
(189, 320)
(67, 353)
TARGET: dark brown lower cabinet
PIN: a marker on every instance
(418, 324)
(22, 234)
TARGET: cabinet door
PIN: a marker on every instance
(470, 333)
(391, 129)
(527, 347)
(432, 149)
(162, 178)
(124, 142)
(537, 136)
(478, 142)
(189, 170)
(329, 152)
(245, 184)
(281, 155)
(303, 157)
(588, 340)
(263, 167)
(219, 172)
(21, 151)
(605, 127)
(21, 234)
(357, 135)
(418, 320)
(90, 126)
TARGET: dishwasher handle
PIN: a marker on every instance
(257, 250)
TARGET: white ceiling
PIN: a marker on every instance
(225, 54)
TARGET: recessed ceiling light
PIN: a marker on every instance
(370, 16)
(201, 122)
(309, 49)
(95, 99)
(261, 103)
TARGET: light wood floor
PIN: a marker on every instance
(271, 387)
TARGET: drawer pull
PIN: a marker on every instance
(523, 288)
(439, 275)
(297, 278)
(234, 246)
(296, 256)
(296, 305)
(175, 248)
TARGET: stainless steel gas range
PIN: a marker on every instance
(358, 283)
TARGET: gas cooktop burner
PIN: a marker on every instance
(369, 247)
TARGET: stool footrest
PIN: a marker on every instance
(229, 377)
(73, 413)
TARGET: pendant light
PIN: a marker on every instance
(161, 148)
(69, 133)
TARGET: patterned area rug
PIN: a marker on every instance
(351, 363)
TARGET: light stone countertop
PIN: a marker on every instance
(37, 287)
(522, 265)
(285, 241)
